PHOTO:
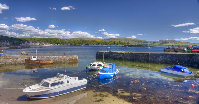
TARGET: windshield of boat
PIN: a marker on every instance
(107, 66)
(99, 65)
(56, 83)
(186, 70)
(45, 84)
(92, 64)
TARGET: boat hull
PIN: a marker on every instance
(38, 61)
(54, 93)
(176, 72)
(107, 75)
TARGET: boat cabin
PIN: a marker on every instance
(96, 64)
(59, 80)
(108, 68)
(33, 58)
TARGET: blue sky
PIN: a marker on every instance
(140, 19)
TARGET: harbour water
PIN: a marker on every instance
(135, 83)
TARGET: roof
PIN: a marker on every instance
(109, 63)
(97, 62)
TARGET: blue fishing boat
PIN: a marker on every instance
(179, 70)
(2, 54)
(108, 71)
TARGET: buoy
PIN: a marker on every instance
(192, 85)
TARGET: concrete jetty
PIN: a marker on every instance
(186, 59)
(20, 59)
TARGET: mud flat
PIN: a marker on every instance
(79, 97)
(20, 59)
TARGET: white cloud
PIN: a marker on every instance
(31, 32)
(4, 27)
(53, 8)
(3, 7)
(68, 8)
(51, 26)
(132, 37)
(25, 19)
(80, 34)
(194, 30)
(4, 31)
(189, 38)
(140, 34)
(110, 35)
(184, 24)
(102, 30)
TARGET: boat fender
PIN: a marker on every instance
(192, 85)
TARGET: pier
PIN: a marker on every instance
(20, 59)
(185, 59)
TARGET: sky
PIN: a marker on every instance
(137, 19)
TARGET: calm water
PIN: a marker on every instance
(142, 85)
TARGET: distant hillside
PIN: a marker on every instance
(10, 41)
(137, 42)
(77, 42)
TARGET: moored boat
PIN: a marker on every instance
(95, 66)
(178, 70)
(34, 60)
(108, 71)
(2, 54)
(55, 86)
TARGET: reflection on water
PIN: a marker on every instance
(136, 82)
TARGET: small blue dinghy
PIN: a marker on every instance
(2, 54)
(108, 71)
(179, 70)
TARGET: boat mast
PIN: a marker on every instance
(36, 52)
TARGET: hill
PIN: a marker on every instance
(10, 41)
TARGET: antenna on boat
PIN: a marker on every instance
(36, 52)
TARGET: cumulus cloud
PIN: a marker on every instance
(184, 24)
(4, 30)
(110, 35)
(3, 7)
(25, 31)
(194, 30)
(132, 37)
(102, 30)
(68, 8)
(140, 34)
(189, 38)
(80, 34)
(4, 27)
(24, 19)
(51, 26)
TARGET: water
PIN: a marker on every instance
(141, 85)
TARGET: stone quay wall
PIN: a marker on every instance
(186, 59)
(20, 59)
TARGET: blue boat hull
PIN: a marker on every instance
(43, 96)
(104, 76)
(2, 54)
(108, 75)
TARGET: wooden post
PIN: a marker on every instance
(103, 56)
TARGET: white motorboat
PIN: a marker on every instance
(55, 86)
